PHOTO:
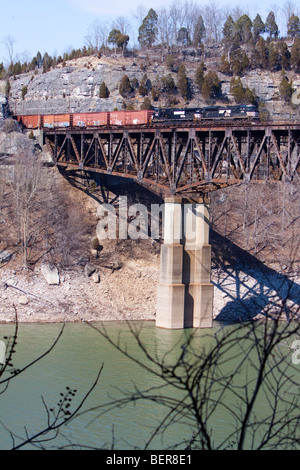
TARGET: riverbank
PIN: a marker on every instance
(129, 293)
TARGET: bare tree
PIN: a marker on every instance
(191, 14)
(122, 24)
(213, 17)
(9, 42)
(25, 187)
(288, 9)
(176, 18)
(97, 35)
(164, 30)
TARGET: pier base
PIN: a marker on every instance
(185, 293)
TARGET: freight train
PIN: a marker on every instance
(143, 117)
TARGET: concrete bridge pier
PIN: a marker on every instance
(185, 293)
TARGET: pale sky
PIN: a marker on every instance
(56, 26)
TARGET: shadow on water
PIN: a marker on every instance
(251, 287)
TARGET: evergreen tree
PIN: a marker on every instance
(229, 31)
(143, 88)
(199, 32)
(199, 76)
(237, 89)
(243, 29)
(183, 37)
(182, 83)
(271, 25)
(39, 59)
(47, 62)
(125, 88)
(241, 94)
(148, 30)
(2, 71)
(113, 37)
(103, 92)
(14, 69)
(170, 62)
(211, 87)
(240, 62)
(284, 54)
(295, 55)
(24, 92)
(258, 27)
(146, 103)
(286, 89)
(293, 26)
(168, 84)
(261, 54)
(250, 96)
(225, 65)
(155, 92)
(273, 58)
(122, 41)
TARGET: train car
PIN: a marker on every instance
(91, 119)
(176, 114)
(51, 121)
(230, 112)
(128, 118)
(207, 113)
(141, 117)
(30, 121)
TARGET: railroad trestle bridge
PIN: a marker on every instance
(181, 159)
(184, 164)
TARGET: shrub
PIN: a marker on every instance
(146, 103)
(286, 89)
(95, 244)
(125, 88)
(24, 92)
(211, 87)
(182, 83)
(104, 92)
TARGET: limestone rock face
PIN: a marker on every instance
(75, 87)
(3, 100)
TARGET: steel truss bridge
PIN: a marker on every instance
(181, 159)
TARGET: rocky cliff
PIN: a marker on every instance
(3, 100)
(75, 86)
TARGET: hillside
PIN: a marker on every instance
(74, 86)
(254, 228)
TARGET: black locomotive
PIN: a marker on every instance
(236, 112)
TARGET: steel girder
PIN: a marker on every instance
(183, 160)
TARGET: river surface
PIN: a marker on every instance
(75, 362)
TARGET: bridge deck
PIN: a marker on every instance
(181, 158)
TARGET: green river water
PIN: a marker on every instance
(75, 362)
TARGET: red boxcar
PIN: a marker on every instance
(90, 119)
(30, 121)
(129, 118)
(56, 120)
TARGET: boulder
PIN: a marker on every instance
(5, 256)
(23, 300)
(83, 260)
(50, 273)
(96, 278)
(89, 269)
